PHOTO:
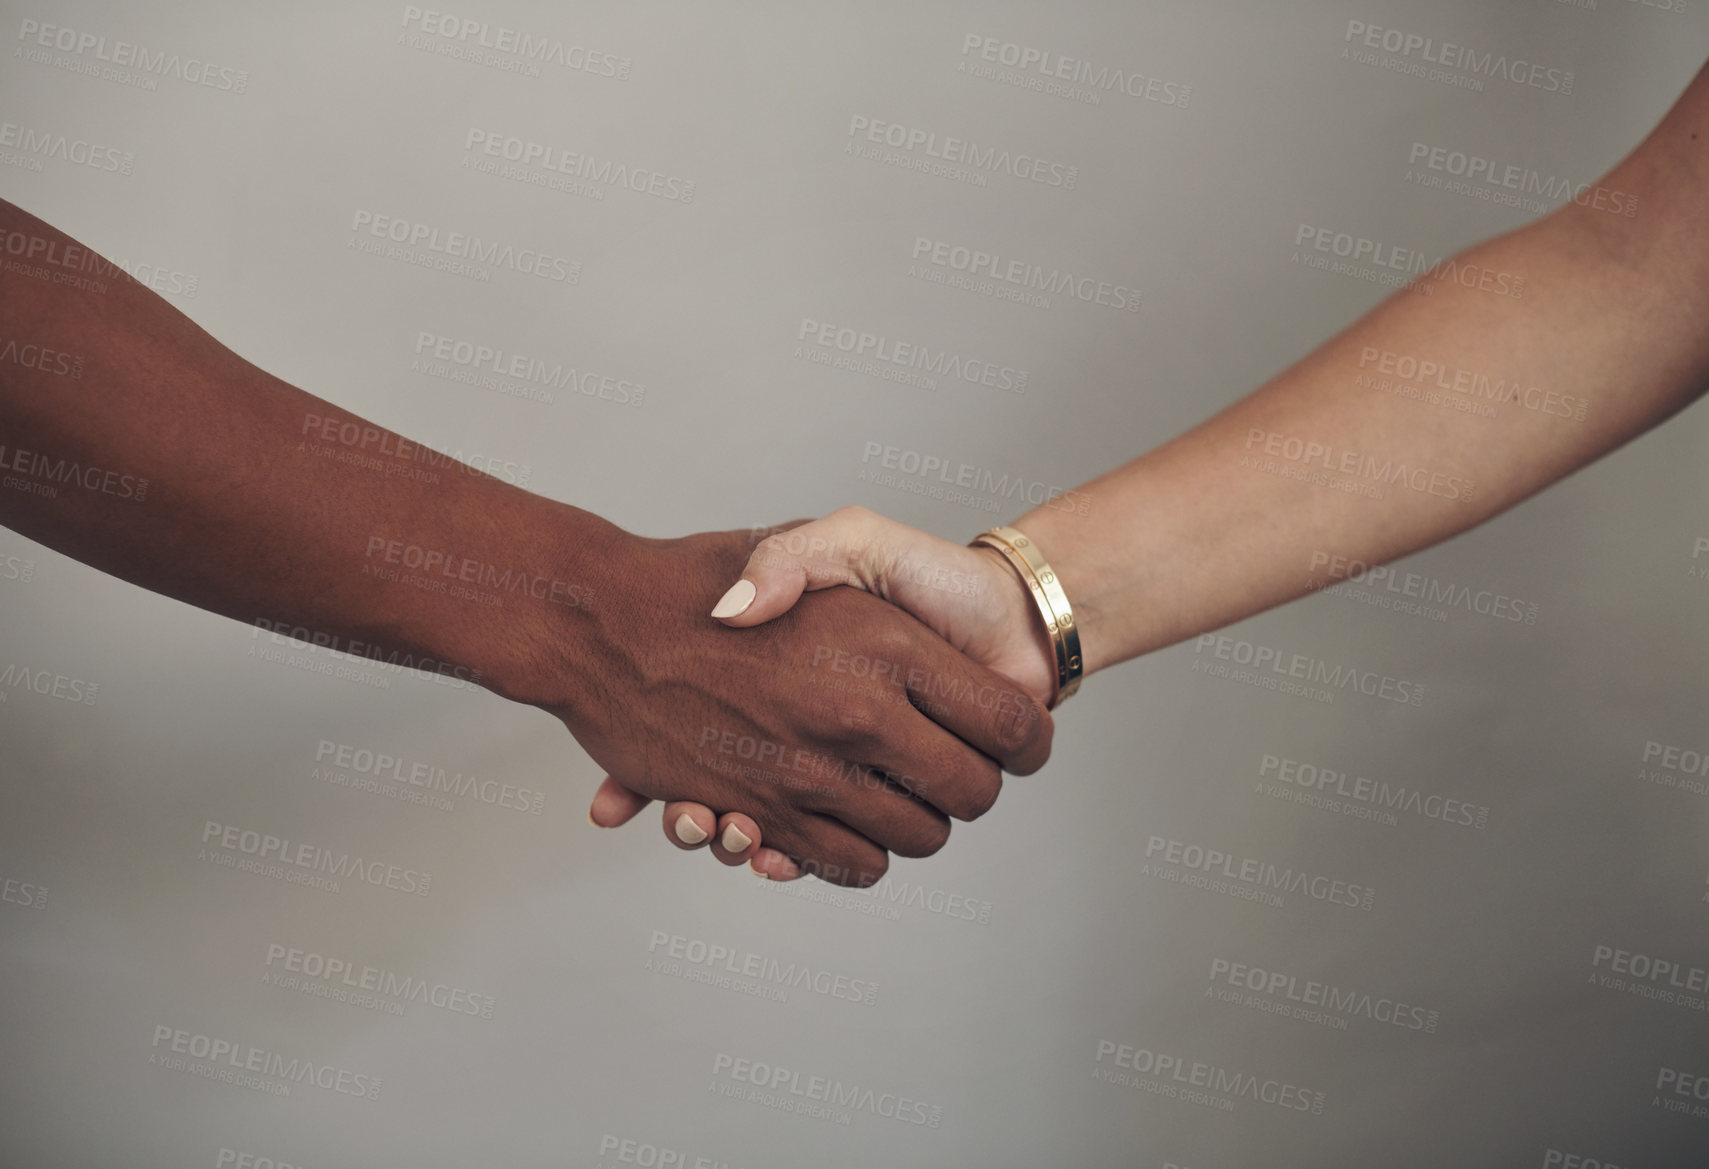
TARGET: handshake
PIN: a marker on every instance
(812, 734)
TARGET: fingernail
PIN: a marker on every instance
(688, 831)
(590, 818)
(735, 602)
(735, 840)
(754, 867)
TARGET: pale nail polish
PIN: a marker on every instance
(754, 868)
(735, 602)
(734, 840)
(688, 831)
(590, 818)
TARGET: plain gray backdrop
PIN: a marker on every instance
(1040, 992)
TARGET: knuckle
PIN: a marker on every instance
(852, 514)
(859, 723)
(894, 643)
(931, 837)
(1019, 721)
(843, 870)
(783, 831)
(976, 794)
(773, 552)
(871, 872)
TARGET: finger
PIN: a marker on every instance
(983, 708)
(773, 865)
(614, 805)
(738, 838)
(887, 814)
(824, 847)
(941, 775)
(689, 825)
(851, 546)
(844, 858)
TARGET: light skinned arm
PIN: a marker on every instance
(1250, 508)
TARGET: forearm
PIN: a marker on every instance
(173, 463)
(1363, 451)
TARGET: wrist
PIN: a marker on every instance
(549, 577)
(1069, 544)
(1026, 653)
(639, 601)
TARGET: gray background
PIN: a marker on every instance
(996, 1022)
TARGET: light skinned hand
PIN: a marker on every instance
(969, 596)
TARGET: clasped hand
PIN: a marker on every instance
(835, 728)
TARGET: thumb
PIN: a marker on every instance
(849, 546)
(782, 567)
(614, 805)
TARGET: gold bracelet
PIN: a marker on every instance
(1041, 581)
